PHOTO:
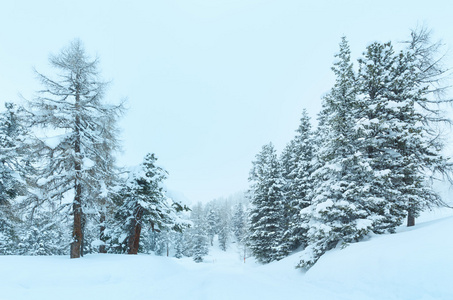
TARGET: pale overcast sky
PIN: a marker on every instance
(208, 82)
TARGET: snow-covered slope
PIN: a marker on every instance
(416, 263)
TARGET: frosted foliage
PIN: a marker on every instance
(16, 175)
(72, 104)
(361, 172)
(199, 235)
(402, 147)
(297, 167)
(239, 223)
(75, 139)
(376, 151)
(340, 178)
(144, 204)
(266, 214)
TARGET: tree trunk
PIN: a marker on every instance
(131, 237)
(82, 245)
(77, 235)
(102, 248)
(410, 219)
(136, 228)
(134, 238)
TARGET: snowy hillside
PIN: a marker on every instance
(415, 263)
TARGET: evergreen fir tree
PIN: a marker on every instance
(16, 173)
(179, 245)
(145, 203)
(239, 223)
(9, 183)
(224, 226)
(199, 235)
(298, 182)
(212, 223)
(266, 197)
(339, 212)
(401, 146)
(287, 163)
(188, 242)
(12, 136)
(48, 233)
(162, 241)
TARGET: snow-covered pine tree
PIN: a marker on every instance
(224, 225)
(179, 245)
(239, 222)
(12, 169)
(240, 227)
(36, 227)
(212, 222)
(71, 110)
(287, 159)
(375, 78)
(162, 240)
(145, 203)
(198, 233)
(298, 167)
(339, 211)
(12, 135)
(187, 241)
(401, 145)
(46, 233)
(267, 199)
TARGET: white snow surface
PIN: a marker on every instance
(415, 263)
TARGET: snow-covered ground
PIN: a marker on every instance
(415, 263)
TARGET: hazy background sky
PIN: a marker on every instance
(208, 82)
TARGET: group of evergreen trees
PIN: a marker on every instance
(225, 219)
(366, 167)
(61, 191)
(219, 223)
(59, 185)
